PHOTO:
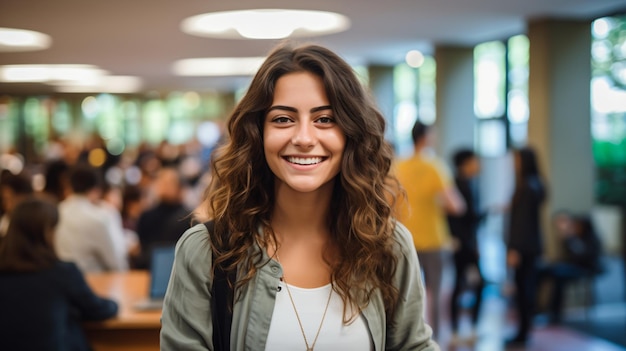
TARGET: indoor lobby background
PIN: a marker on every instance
(558, 84)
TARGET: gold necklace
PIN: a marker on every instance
(293, 304)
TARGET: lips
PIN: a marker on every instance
(305, 161)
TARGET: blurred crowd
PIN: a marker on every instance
(113, 208)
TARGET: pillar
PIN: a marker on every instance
(560, 116)
(455, 99)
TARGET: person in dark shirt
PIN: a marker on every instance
(463, 228)
(43, 300)
(57, 185)
(524, 247)
(580, 257)
(165, 222)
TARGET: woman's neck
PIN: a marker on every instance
(302, 243)
(300, 213)
(305, 219)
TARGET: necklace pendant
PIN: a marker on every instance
(309, 349)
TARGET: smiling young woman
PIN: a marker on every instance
(302, 142)
(301, 200)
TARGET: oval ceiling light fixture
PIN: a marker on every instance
(265, 24)
(49, 73)
(103, 84)
(218, 66)
(69, 78)
(13, 39)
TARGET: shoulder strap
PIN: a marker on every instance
(221, 303)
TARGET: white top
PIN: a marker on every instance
(90, 236)
(285, 333)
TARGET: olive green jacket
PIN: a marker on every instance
(186, 320)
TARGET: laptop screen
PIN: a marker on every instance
(162, 260)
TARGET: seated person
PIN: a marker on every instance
(167, 220)
(580, 256)
(43, 300)
(89, 234)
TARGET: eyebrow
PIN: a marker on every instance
(292, 109)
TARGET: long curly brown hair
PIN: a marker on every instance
(240, 197)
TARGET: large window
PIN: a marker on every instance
(30, 124)
(608, 108)
(501, 94)
(414, 90)
(8, 124)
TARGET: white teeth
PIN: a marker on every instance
(304, 161)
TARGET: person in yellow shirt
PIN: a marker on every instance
(430, 195)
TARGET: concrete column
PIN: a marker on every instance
(381, 85)
(559, 102)
(455, 99)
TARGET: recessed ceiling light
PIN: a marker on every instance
(414, 58)
(12, 39)
(218, 66)
(265, 24)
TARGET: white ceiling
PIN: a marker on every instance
(142, 37)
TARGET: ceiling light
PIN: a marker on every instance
(71, 78)
(103, 84)
(218, 66)
(49, 73)
(23, 40)
(414, 58)
(265, 24)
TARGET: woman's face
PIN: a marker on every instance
(302, 142)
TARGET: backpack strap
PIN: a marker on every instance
(221, 302)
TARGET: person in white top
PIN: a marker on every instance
(86, 234)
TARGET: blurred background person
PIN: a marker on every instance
(112, 203)
(132, 207)
(430, 194)
(580, 252)
(464, 228)
(167, 220)
(13, 189)
(88, 235)
(4, 173)
(43, 300)
(56, 185)
(149, 164)
(524, 242)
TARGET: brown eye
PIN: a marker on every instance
(325, 120)
(281, 119)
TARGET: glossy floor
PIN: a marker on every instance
(497, 322)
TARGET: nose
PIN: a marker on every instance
(304, 135)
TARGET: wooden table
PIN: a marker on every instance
(131, 330)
